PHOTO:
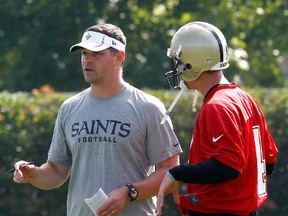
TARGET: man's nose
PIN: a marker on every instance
(88, 58)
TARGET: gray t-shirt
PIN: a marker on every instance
(111, 142)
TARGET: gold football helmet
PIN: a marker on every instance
(196, 47)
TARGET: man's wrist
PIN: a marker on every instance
(132, 192)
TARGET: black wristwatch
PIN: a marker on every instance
(132, 192)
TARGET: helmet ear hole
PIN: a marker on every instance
(188, 66)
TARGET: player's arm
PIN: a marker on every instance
(207, 172)
(48, 176)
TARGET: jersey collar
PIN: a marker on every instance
(216, 86)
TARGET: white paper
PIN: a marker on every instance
(97, 200)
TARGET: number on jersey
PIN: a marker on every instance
(261, 165)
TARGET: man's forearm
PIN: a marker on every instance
(50, 176)
(208, 172)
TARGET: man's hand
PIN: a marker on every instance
(48, 176)
(117, 201)
(24, 173)
(168, 185)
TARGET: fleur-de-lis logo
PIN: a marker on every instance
(88, 36)
(208, 60)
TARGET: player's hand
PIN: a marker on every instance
(24, 174)
(168, 185)
(117, 201)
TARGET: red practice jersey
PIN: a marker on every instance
(231, 128)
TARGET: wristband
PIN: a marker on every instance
(170, 176)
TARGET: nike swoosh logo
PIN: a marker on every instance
(215, 139)
(175, 144)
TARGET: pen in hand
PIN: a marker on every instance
(13, 169)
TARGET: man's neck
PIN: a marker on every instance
(107, 90)
(208, 80)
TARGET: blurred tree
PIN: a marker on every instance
(36, 36)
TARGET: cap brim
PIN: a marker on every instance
(89, 46)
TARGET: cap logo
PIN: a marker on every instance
(96, 41)
(88, 36)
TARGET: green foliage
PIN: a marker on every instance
(36, 36)
(26, 127)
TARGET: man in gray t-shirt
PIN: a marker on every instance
(108, 136)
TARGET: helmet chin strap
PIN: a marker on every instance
(194, 102)
(183, 89)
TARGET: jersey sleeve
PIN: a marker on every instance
(162, 142)
(270, 147)
(59, 151)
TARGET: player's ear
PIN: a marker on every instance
(120, 56)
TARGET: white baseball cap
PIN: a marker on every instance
(96, 41)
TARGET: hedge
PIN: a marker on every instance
(26, 126)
